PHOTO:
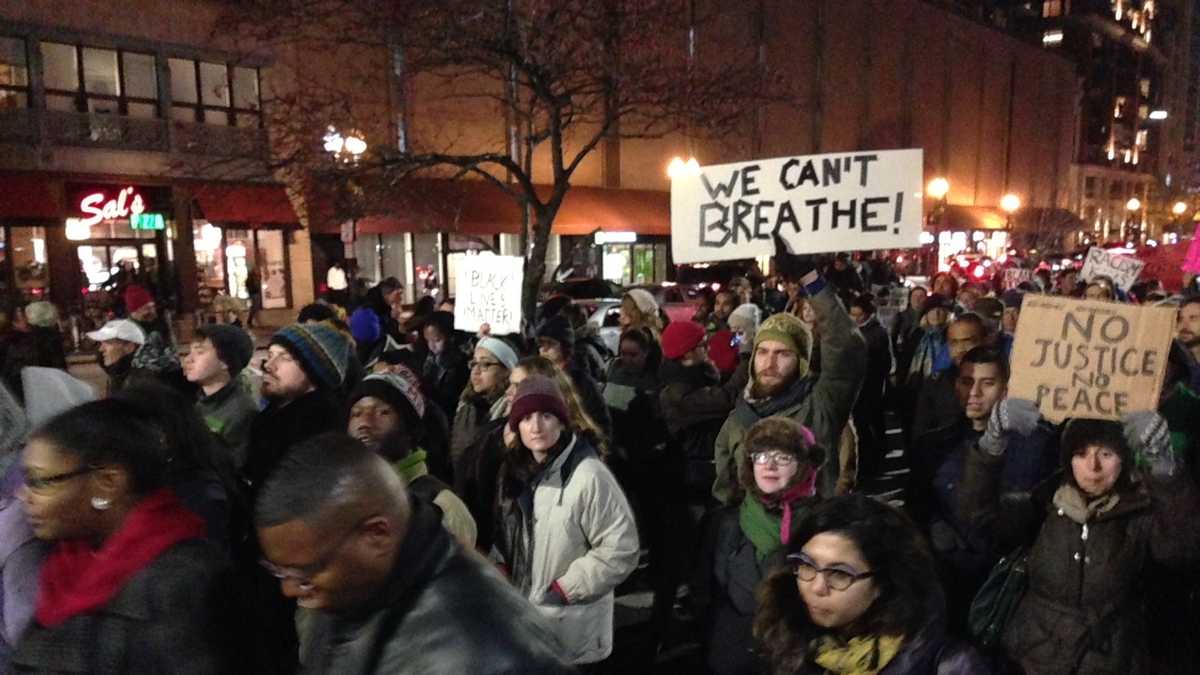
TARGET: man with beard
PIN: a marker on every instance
(781, 382)
(1187, 329)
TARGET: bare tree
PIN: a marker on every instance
(569, 76)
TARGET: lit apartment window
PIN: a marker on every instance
(14, 73)
(1144, 86)
(1143, 138)
(214, 93)
(1052, 8)
(1119, 107)
(95, 80)
(1052, 37)
(1143, 112)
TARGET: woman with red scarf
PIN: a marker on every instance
(748, 540)
(130, 584)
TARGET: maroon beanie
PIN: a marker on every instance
(537, 393)
(722, 352)
(681, 337)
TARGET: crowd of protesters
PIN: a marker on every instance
(384, 494)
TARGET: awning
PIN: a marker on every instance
(587, 209)
(246, 204)
(27, 195)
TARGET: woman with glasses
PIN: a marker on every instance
(483, 400)
(130, 584)
(857, 595)
(782, 460)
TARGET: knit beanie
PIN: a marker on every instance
(745, 319)
(136, 297)
(41, 314)
(722, 352)
(558, 328)
(234, 346)
(645, 302)
(321, 350)
(537, 393)
(681, 337)
(365, 326)
(788, 329)
(499, 349)
(400, 389)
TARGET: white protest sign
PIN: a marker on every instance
(1015, 276)
(855, 201)
(1122, 269)
(488, 290)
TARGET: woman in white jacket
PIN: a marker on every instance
(565, 531)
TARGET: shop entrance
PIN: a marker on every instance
(110, 263)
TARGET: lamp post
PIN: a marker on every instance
(1009, 203)
(347, 149)
(679, 167)
(1132, 206)
(937, 189)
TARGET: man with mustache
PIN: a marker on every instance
(781, 382)
(1187, 329)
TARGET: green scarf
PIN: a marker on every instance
(760, 526)
(412, 467)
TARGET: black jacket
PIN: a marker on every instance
(475, 480)
(277, 428)
(442, 611)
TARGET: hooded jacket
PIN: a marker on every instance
(821, 403)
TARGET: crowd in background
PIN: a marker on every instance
(804, 478)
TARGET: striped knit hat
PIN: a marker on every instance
(322, 351)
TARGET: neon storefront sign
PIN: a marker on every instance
(96, 209)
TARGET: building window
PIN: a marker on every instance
(95, 80)
(1143, 139)
(1144, 87)
(1119, 107)
(1052, 37)
(14, 73)
(1089, 187)
(214, 93)
(1052, 8)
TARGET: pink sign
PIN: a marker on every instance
(1191, 263)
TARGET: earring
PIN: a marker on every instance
(101, 503)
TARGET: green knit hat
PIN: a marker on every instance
(789, 330)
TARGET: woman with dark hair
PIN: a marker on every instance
(564, 531)
(131, 585)
(858, 596)
(482, 400)
(1123, 504)
(747, 541)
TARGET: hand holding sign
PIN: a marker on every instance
(488, 290)
(1078, 358)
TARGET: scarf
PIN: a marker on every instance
(925, 357)
(749, 410)
(76, 579)
(412, 467)
(860, 656)
(1076, 506)
(767, 529)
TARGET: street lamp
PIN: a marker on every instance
(678, 168)
(1133, 206)
(938, 188)
(1179, 208)
(348, 147)
(1009, 203)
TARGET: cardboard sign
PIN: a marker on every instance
(488, 290)
(1082, 358)
(1015, 276)
(818, 203)
(1123, 270)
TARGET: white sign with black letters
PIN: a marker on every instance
(488, 290)
(1122, 269)
(856, 201)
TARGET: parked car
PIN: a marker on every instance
(605, 315)
(674, 300)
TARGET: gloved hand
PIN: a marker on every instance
(790, 265)
(1012, 416)
(1150, 440)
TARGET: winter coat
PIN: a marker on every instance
(278, 427)
(694, 404)
(822, 403)
(590, 397)
(445, 375)
(1082, 611)
(228, 414)
(441, 611)
(584, 543)
(455, 517)
(929, 652)
(471, 420)
(632, 400)
(38, 347)
(157, 354)
(937, 403)
(475, 480)
(173, 616)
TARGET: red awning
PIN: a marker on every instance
(587, 209)
(247, 204)
(27, 195)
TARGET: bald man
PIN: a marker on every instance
(393, 593)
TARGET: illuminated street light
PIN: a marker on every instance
(1158, 114)
(1133, 204)
(1010, 203)
(678, 168)
(937, 188)
(346, 147)
(1179, 208)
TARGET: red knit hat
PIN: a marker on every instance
(681, 337)
(537, 393)
(136, 297)
(722, 352)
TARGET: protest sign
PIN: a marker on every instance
(819, 203)
(488, 290)
(1015, 276)
(1082, 358)
(1122, 269)
(1191, 263)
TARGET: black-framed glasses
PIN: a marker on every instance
(482, 365)
(837, 577)
(42, 482)
(303, 575)
(773, 457)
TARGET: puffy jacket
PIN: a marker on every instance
(1083, 612)
(584, 541)
(441, 611)
(822, 403)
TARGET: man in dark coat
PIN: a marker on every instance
(556, 342)
(937, 404)
(868, 410)
(392, 592)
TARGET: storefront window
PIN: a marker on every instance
(28, 252)
(272, 269)
(239, 258)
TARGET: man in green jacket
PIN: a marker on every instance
(782, 384)
(218, 354)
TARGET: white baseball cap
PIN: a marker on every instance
(119, 329)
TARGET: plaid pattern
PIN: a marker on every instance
(323, 352)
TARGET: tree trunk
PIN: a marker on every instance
(535, 268)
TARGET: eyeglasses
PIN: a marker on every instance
(482, 365)
(38, 483)
(773, 457)
(303, 575)
(837, 578)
